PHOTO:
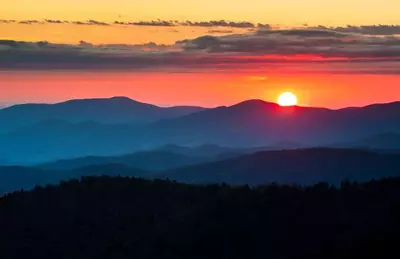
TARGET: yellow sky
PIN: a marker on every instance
(327, 12)
(116, 34)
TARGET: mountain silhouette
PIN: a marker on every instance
(149, 160)
(101, 110)
(384, 141)
(255, 123)
(206, 150)
(249, 124)
(119, 218)
(302, 166)
(14, 178)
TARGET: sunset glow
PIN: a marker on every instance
(287, 99)
(181, 53)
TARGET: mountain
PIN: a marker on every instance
(216, 151)
(14, 178)
(385, 141)
(249, 124)
(115, 217)
(150, 160)
(164, 158)
(109, 111)
(302, 166)
(255, 123)
(55, 139)
(206, 150)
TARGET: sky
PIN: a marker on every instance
(329, 12)
(331, 53)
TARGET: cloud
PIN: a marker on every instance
(220, 23)
(91, 22)
(322, 43)
(264, 26)
(364, 29)
(45, 55)
(219, 31)
(156, 23)
(295, 50)
(56, 21)
(7, 21)
(381, 30)
(148, 23)
(30, 22)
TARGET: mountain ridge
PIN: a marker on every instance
(301, 166)
(249, 124)
(102, 110)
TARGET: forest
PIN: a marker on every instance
(122, 217)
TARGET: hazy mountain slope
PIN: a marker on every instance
(246, 125)
(207, 150)
(55, 139)
(255, 123)
(14, 178)
(303, 166)
(112, 110)
(150, 160)
(385, 141)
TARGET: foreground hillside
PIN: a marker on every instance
(130, 218)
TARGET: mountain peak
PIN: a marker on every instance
(122, 98)
(114, 101)
(254, 102)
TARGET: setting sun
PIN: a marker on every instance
(287, 99)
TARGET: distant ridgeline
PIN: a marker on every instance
(38, 133)
(297, 166)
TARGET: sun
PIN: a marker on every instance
(287, 99)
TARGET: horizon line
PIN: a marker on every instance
(9, 105)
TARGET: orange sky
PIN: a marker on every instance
(331, 85)
(328, 12)
(116, 34)
(206, 89)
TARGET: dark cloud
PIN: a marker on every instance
(264, 26)
(94, 22)
(154, 23)
(219, 31)
(30, 22)
(262, 48)
(364, 29)
(85, 44)
(148, 23)
(207, 24)
(7, 21)
(304, 33)
(220, 23)
(55, 21)
(79, 23)
(91, 22)
(381, 30)
(323, 43)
